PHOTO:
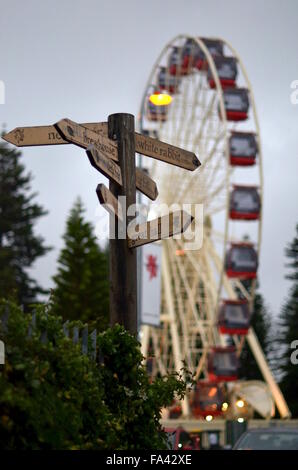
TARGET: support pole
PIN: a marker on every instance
(123, 260)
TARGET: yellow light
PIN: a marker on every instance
(240, 420)
(160, 99)
(240, 403)
(209, 418)
(225, 406)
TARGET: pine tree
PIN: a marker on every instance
(288, 332)
(20, 247)
(261, 324)
(81, 284)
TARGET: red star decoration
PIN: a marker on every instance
(152, 266)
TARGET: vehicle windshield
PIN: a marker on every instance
(269, 441)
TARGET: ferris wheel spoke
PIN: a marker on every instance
(160, 363)
(240, 342)
(218, 235)
(211, 179)
(193, 179)
(174, 110)
(185, 337)
(200, 279)
(238, 284)
(210, 210)
(208, 112)
(201, 364)
(184, 110)
(218, 139)
(200, 273)
(197, 95)
(219, 188)
(191, 299)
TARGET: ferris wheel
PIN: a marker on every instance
(198, 97)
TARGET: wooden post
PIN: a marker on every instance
(123, 260)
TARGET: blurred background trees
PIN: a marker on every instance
(262, 324)
(81, 290)
(20, 247)
(288, 331)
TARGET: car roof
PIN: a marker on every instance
(275, 429)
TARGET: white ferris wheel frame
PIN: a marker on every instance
(175, 315)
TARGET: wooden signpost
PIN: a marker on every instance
(111, 148)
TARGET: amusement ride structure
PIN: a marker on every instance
(198, 97)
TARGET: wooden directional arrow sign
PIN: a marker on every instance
(157, 229)
(111, 170)
(165, 152)
(104, 164)
(145, 184)
(108, 200)
(83, 137)
(47, 135)
(58, 134)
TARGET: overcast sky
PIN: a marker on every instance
(86, 59)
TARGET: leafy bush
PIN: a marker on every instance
(54, 397)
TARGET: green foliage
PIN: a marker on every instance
(53, 397)
(261, 324)
(19, 246)
(81, 285)
(288, 332)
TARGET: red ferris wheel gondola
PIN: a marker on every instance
(236, 103)
(215, 48)
(156, 113)
(227, 72)
(241, 261)
(245, 203)
(223, 364)
(166, 81)
(243, 148)
(234, 317)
